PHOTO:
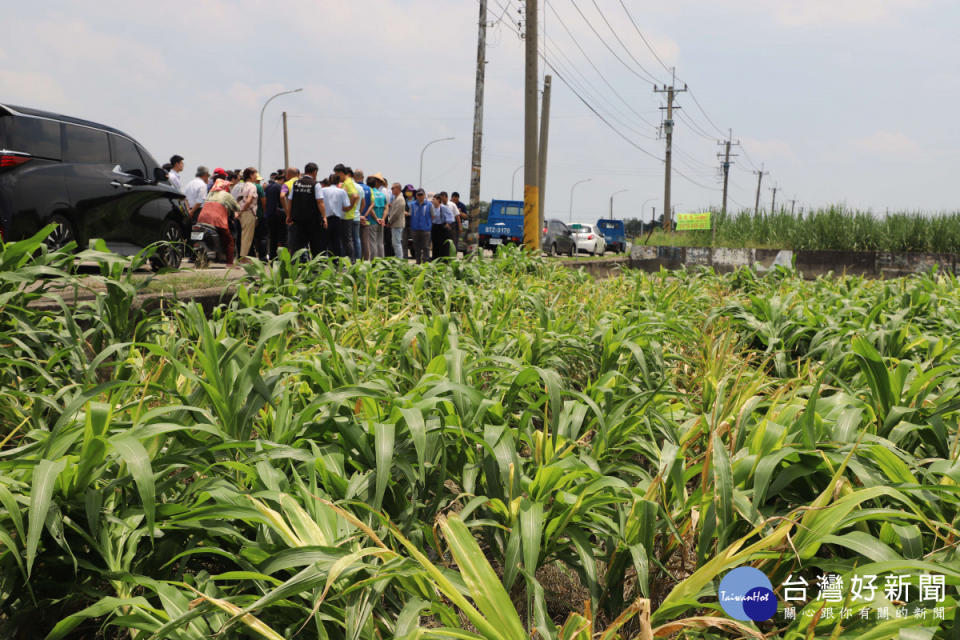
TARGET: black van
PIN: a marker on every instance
(91, 180)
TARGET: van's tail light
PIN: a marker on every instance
(8, 161)
(590, 237)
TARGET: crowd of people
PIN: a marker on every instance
(344, 214)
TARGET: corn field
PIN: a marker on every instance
(834, 229)
(499, 449)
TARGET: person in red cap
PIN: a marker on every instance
(218, 174)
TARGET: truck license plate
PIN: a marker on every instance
(495, 241)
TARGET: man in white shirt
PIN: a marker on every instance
(337, 202)
(196, 192)
(176, 166)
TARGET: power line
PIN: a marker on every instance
(697, 129)
(586, 103)
(609, 48)
(584, 81)
(692, 181)
(692, 157)
(635, 26)
(589, 106)
(699, 106)
(595, 68)
(749, 159)
(625, 48)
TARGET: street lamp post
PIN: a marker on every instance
(421, 157)
(571, 194)
(611, 201)
(644, 206)
(513, 180)
(260, 150)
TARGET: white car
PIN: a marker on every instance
(588, 238)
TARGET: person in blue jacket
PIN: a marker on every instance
(421, 223)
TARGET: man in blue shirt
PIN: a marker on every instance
(421, 222)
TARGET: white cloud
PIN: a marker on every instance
(888, 143)
(770, 150)
(31, 89)
(805, 13)
(812, 12)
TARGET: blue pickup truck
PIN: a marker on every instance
(504, 224)
(614, 233)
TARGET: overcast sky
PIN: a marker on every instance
(842, 101)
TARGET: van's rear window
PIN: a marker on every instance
(35, 136)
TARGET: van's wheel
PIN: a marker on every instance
(62, 235)
(553, 250)
(170, 252)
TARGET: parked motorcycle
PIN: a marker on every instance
(206, 245)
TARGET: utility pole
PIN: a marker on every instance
(760, 174)
(792, 203)
(773, 203)
(726, 179)
(286, 147)
(477, 131)
(668, 130)
(531, 193)
(542, 156)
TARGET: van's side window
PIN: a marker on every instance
(36, 136)
(126, 155)
(149, 161)
(84, 145)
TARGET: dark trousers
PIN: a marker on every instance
(387, 242)
(227, 242)
(436, 240)
(235, 231)
(307, 234)
(334, 236)
(442, 237)
(277, 230)
(421, 245)
(261, 239)
(346, 239)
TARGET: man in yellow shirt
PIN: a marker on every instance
(350, 237)
(293, 174)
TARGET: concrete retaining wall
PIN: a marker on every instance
(809, 263)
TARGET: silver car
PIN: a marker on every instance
(588, 238)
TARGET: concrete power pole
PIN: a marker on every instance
(760, 174)
(773, 203)
(668, 130)
(726, 179)
(542, 156)
(477, 131)
(286, 147)
(531, 192)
